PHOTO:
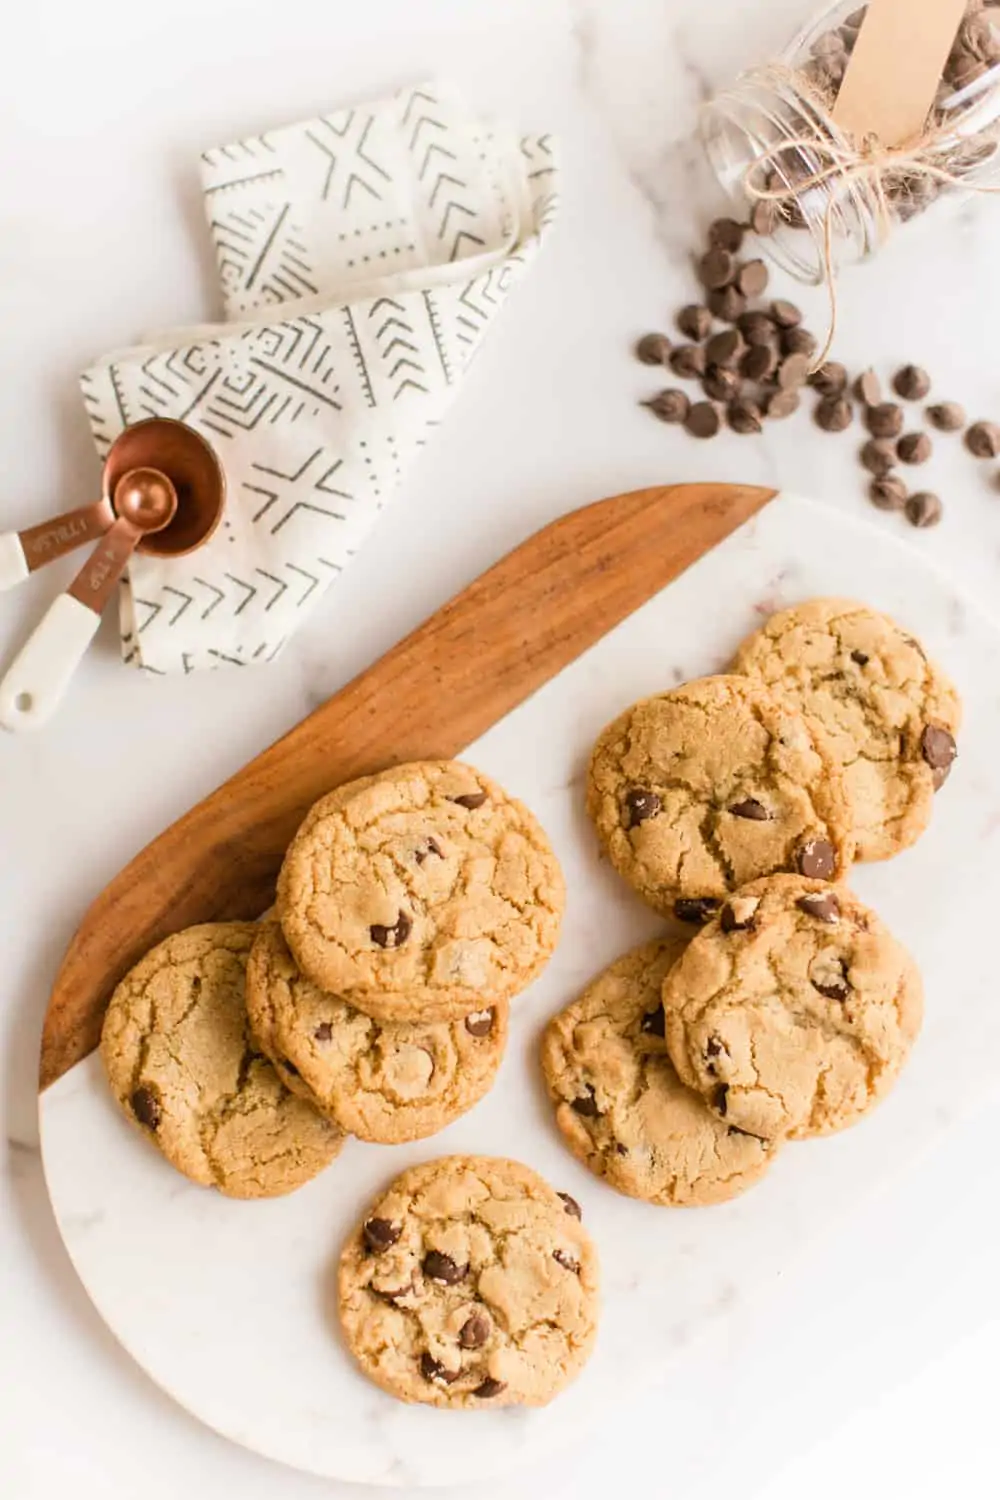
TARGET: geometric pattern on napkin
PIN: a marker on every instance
(362, 257)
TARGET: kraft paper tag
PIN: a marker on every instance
(895, 68)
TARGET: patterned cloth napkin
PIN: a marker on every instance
(362, 256)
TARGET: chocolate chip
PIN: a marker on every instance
(324, 1032)
(653, 348)
(868, 388)
(914, 448)
(798, 341)
(567, 1261)
(489, 1387)
(695, 321)
(946, 416)
(289, 1067)
(716, 268)
(983, 439)
(785, 314)
(714, 1046)
(442, 1269)
(939, 750)
(698, 909)
(392, 937)
(751, 809)
(759, 362)
(738, 914)
(475, 1331)
(823, 905)
(744, 416)
(379, 1234)
(654, 1022)
(793, 371)
(146, 1107)
(433, 1370)
(727, 233)
(725, 348)
(720, 384)
(719, 1099)
(469, 800)
(783, 403)
(830, 379)
(878, 457)
(480, 1023)
(924, 509)
(727, 303)
(669, 406)
(911, 382)
(758, 329)
(764, 217)
(752, 278)
(834, 413)
(622, 1150)
(817, 859)
(861, 658)
(884, 420)
(431, 847)
(703, 420)
(836, 987)
(570, 1205)
(640, 805)
(394, 1295)
(688, 361)
(586, 1105)
(889, 493)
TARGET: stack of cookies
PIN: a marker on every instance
(737, 804)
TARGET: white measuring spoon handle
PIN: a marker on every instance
(38, 677)
(13, 563)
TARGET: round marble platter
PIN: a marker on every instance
(230, 1307)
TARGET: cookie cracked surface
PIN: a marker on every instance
(178, 1054)
(888, 714)
(387, 1081)
(697, 791)
(620, 1104)
(423, 892)
(794, 1011)
(470, 1283)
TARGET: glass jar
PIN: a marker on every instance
(828, 205)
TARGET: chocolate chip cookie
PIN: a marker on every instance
(387, 1081)
(888, 715)
(425, 892)
(470, 1283)
(620, 1104)
(181, 1063)
(699, 790)
(793, 1012)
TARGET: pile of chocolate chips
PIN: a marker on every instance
(756, 366)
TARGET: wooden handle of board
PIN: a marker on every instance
(429, 697)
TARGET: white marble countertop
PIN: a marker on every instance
(102, 118)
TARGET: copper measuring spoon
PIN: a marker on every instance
(159, 442)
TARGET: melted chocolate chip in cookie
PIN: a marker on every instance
(470, 800)
(380, 1234)
(939, 750)
(392, 937)
(146, 1107)
(640, 805)
(432, 1369)
(817, 859)
(699, 909)
(442, 1269)
(751, 809)
(475, 1331)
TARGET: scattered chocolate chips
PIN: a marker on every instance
(739, 913)
(878, 457)
(868, 388)
(783, 403)
(823, 905)
(695, 321)
(884, 420)
(830, 379)
(720, 1099)
(380, 1234)
(799, 341)
(725, 348)
(654, 1022)
(489, 1387)
(793, 372)
(469, 800)
(640, 805)
(817, 859)
(914, 448)
(726, 233)
(442, 1269)
(759, 362)
(861, 658)
(480, 1023)
(939, 750)
(653, 348)
(433, 1370)
(324, 1032)
(567, 1261)
(758, 329)
(721, 384)
(983, 439)
(834, 413)
(146, 1107)
(669, 406)
(698, 909)
(751, 809)
(727, 303)
(888, 493)
(785, 314)
(688, 361)
(947, 416)
(835, 986)
(924, 509)
(752, 278)
(703, 420)
(570, 1205)
(475, 1331)
(912, 383)
(716, 268)
(744, 416)
(586, 1105)
(764, 217)
(392, 937)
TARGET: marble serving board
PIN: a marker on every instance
(230, 1307)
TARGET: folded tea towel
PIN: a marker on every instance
(362, 256)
